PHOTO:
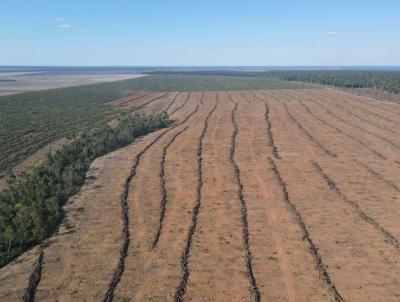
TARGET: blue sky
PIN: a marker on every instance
(202, 32)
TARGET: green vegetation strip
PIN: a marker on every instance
(31, 207)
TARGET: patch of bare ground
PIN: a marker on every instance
(279, 195)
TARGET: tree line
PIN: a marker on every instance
(382, 80)
(31, 205)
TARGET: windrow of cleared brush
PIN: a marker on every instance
(271, 141)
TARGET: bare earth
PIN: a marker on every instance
(18, 82)
(279, 195)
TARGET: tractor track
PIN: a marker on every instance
(164, 198)
(332, 185)
(109, 295)
(256, 295)
(354, 126)
(321, 267)
(173, 102)
(377, 153)
(181, 288)
(34, 279)
(310, 137)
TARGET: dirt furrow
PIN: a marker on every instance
(332, 185)
(181, 288)
(109, 295)
(34, 280)
(245, 231)
(313, 248)
(310, 137)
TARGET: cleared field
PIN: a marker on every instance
(267, 195)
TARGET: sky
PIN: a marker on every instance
(199, 33)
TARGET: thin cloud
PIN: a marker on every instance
(64, 25)
(331, 33)
(58, 19)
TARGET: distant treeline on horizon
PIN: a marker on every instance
(144, 69)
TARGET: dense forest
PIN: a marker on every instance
(382, 80)
(31, 206)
